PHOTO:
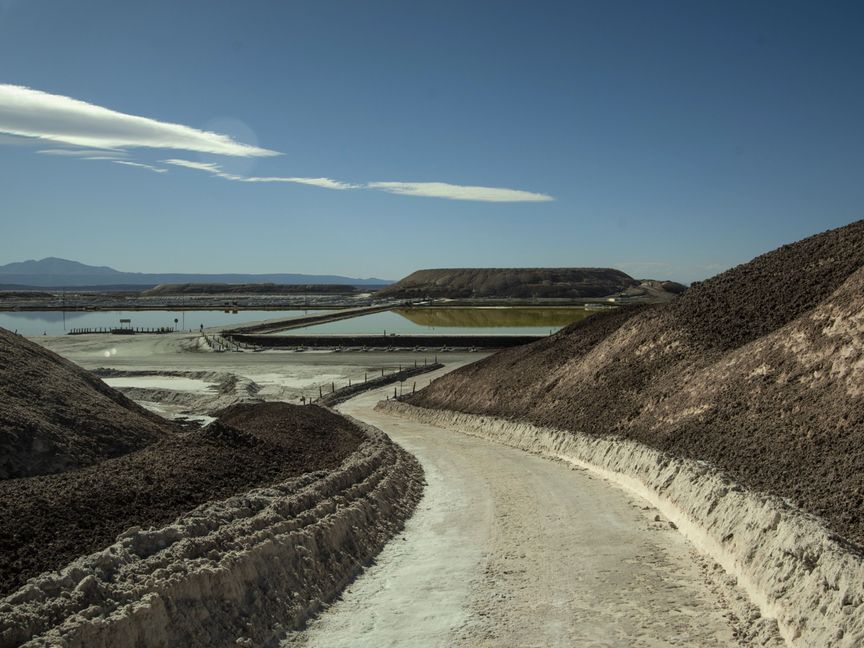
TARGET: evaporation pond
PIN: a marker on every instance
(171, 383)
(31, 323)
(452, 321)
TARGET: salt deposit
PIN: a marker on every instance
(229, 572)
(795, 570)
(172, 383)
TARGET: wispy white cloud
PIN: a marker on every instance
(459, 192)
(212, 167)
(86, 131)
(324, 183)
(140, 165)
(215, 169)
(88, 154)
(427, 189)
(56, 118)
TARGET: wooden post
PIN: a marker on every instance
(349, 382)
(414, 387)
(332, 387)
(382, 372)
(394, 392)
(365, 376)
(320, 393)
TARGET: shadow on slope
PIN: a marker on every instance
(56, 416)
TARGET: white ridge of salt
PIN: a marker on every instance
(793, 568)
(170, 383)
(245, 568)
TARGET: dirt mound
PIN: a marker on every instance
(651, 290)
(56, 416)
(757, 371)
(459, 283)
(47, 521)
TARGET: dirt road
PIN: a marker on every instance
(508, 549)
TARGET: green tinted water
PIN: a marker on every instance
(452, 321)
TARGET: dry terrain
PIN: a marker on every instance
(456, 283)
(56, 416)
(510, 549)
(48, 521)
(757, 371)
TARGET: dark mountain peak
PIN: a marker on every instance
(58, 273)
(54, 266)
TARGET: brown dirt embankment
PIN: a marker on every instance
(459, 283)
(47, 521)
(57, 416)
(233, 572)
(758, 371)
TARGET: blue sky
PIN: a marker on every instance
(668, 139)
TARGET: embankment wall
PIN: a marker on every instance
(240, 571)
(790, 565)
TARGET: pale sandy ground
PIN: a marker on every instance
(173, 383)
(279, 375)
(508, 549)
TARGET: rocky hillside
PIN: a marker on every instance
(758, 371)
(525, 283)
(56, 416)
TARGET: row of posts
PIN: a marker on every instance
(396, 391)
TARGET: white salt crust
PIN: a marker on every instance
(795, 570)
(239, 571)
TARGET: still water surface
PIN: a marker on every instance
(58, 323)
(452, 321)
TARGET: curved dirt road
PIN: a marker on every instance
(508, 549)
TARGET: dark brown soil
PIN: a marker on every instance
(759, 371)
(47, 521)
(458, 283)
(56, 416)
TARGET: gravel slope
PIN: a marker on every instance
(47, 521)
(757, 371)
(232, 572)
(57, 416)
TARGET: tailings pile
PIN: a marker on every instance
(56, 416)
(49, 520)
(526, 283)
(757, 371)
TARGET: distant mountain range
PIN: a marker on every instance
(59, 273)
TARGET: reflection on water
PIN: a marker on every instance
(494, 317)
(451, 321)
(44, 316)
(58, 323)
